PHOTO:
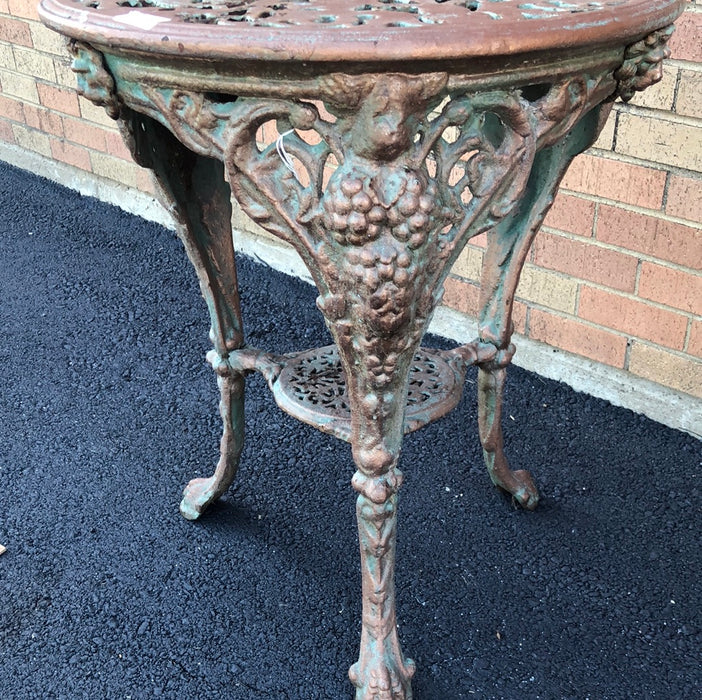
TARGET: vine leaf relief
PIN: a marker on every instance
(422, 161)
(389, 136)
(418, 168)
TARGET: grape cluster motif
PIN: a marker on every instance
(378, 265)
(359, 206)
(389, 273)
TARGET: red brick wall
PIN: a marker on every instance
(39, 107)
(616, 273)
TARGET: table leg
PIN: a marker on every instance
(519, 483)
(195, 190)
(201, 492)
(381, 672)
(508, 246)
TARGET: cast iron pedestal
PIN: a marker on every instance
(404, 129)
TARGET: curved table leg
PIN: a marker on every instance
(519, 483)
(508, 246)
(377, 426)
(195, 190)
(201, 492)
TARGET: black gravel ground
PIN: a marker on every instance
(107, 409)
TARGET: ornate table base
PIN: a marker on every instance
(379, 191)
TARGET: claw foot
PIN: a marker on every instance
(197, 496)
(522, 488)
(383, 683)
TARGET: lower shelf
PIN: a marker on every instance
(312, 387)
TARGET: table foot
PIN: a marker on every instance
(197, 496)
(518, 483)
(201, 492)
(379, 681)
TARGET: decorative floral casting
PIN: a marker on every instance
(643, 63)
(420, 166)
(420, 169)
(318, 380)
(311, 385)
(386, 674)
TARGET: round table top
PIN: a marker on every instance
(355, 30)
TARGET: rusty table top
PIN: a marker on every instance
(354, 30)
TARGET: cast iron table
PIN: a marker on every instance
(404, 129)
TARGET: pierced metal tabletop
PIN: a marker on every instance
(348, 30)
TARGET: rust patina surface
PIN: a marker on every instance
(403, 128)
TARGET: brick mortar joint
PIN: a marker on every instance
(607, 154)
(635, 209)
(21, 18)
(627, 355)
(681, 354)
(666, 191)
(633, 296)
(456, 277)
(528, 265)
(31, 50)
(688, 335)
(604, 245)
(595, 221)
(676, 90)
(565, 316)
(28, 127)
(48, 54)
(637, 276)
(65, 140)
(653, 113)
(38, 80)
(629, 337)
(14, 121)
(682, 64)
(108, 129)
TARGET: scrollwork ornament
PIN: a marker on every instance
(418, 168)
(95, 82)
(643, 63)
